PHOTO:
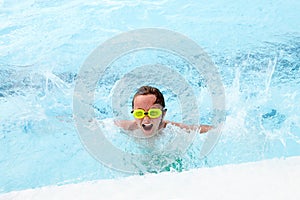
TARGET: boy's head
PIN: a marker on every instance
(148, 109)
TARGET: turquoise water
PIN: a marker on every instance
(255, 45)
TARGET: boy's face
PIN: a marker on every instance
(148, 125)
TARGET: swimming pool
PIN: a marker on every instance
(255, 46)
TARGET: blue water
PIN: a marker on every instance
(255, 45)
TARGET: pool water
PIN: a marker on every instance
(254, 45)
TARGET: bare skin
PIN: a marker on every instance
(150, 126)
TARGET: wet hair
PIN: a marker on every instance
(145, 90)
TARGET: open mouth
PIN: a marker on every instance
(147, 127)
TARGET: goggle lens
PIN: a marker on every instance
(152, 113)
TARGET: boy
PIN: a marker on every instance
(148, 109)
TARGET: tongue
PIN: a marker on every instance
(147, 127)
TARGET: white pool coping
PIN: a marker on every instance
(268, 179)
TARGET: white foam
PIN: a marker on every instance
(268, 179)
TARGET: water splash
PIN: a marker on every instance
(269, 73)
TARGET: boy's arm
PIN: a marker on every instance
(201, 128)
(126, 124)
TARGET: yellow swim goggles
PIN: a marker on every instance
(152, 113)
